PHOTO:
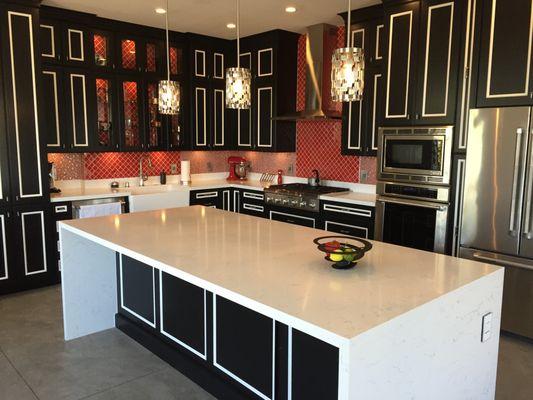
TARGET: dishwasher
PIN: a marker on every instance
(78, 207)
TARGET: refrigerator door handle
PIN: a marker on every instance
(493, 260)
(518, 178)
(527, 233)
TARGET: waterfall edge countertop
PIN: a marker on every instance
(277, 265)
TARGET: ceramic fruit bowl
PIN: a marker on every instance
(343, 251)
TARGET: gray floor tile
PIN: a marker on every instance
(515, 369)
(12, 386)
(163, 385)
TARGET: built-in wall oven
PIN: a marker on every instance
(418, 155)
(413, 187)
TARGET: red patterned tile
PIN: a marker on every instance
(68, 166)
(151, 60)
(100, 50)
(175, 60)
(132, 132)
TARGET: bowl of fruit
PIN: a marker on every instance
(343, 251)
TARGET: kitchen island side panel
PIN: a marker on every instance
(89, 285)
(434, 351)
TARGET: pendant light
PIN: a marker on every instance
(238, 80)
(348, 69)
(169, 91)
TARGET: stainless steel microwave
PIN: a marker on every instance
(415, 154)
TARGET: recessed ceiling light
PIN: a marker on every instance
(231, 25)
(160, 10)
(290, 9)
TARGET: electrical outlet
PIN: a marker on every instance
(290, 169)
(486, 327)
(363, 176)
(173, 169)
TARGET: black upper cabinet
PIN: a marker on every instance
(272, 58)
(103, 115)
(50, 41)
(422, 61)
(402, 25)
(210, 120)
(137, 54)
(62, 42)
(22, 85)
(131, 126)
(77, 48)
(154, 120)
(103, 50)
(360, 118)
(504, 51)
(53, 107)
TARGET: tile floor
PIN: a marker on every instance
(35, 362)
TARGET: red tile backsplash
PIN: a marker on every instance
(318, 146)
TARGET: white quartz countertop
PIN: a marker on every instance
(277, 265)
(89, 193)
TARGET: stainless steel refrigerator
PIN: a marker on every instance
(497, 219)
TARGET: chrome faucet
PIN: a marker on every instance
(142, 177)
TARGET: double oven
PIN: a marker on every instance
(414, 166)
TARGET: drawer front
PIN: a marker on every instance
(207, 198)
(256, 210)
(346, 210)
(361, 231)
(293, 219)
(253, 197)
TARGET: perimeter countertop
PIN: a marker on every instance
(90, 193)
(278, 265)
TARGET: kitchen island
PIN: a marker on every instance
(248, 307)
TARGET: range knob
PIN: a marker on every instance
(312, 204)
(294, 203)
(303, 204)
(277, 200)
(285, 201)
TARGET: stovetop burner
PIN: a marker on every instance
(298, 195)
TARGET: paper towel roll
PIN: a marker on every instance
(185, 172)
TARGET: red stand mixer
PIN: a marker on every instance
(237, 168)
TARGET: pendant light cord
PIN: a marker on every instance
(168, 46)
(238, 35)
(349, 27)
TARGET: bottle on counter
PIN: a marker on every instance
(280, 176)
(163, 178)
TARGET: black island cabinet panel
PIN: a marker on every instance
(183, 311)
(315, 368)
(244, 346)
(137, 290)
(505, 55)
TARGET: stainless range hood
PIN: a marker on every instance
(321, 43)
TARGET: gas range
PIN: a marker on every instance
(298, 195)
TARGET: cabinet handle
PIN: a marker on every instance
(417, 116)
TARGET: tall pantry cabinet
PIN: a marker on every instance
(25, 227)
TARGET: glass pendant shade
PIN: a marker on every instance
(347, 74)
(169, 97)
(238, 88)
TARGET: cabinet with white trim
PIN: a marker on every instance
(210, 120)
(421, 62)
(21, 90)
(252, 202)
(503, 53)
(7, 273)
(64, 42)
(348, 219)
(272, 58)
(360, 118)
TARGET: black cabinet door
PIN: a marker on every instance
(33, 232)
(438, 62)
(53, 107)
(4, 165)
(6, 274)
(77, 46)
(130, 113)
(137, 290)
(402, 24)
(244, 346)
(505, 77)
(50, 41)
(348, 219)
(80, 102)
(183, 312)
(154, 120)
(103, 137)
(374, 110)
(264, 112)
(200, 116)
(103, 50)
(244, 117)
(315, 368)
(128, 54)
(21, 65)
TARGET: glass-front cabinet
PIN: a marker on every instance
(105, 113)
(154, 124)
(131, 131)
(128, 54)
(103, 44)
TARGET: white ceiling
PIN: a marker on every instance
(210, 17)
